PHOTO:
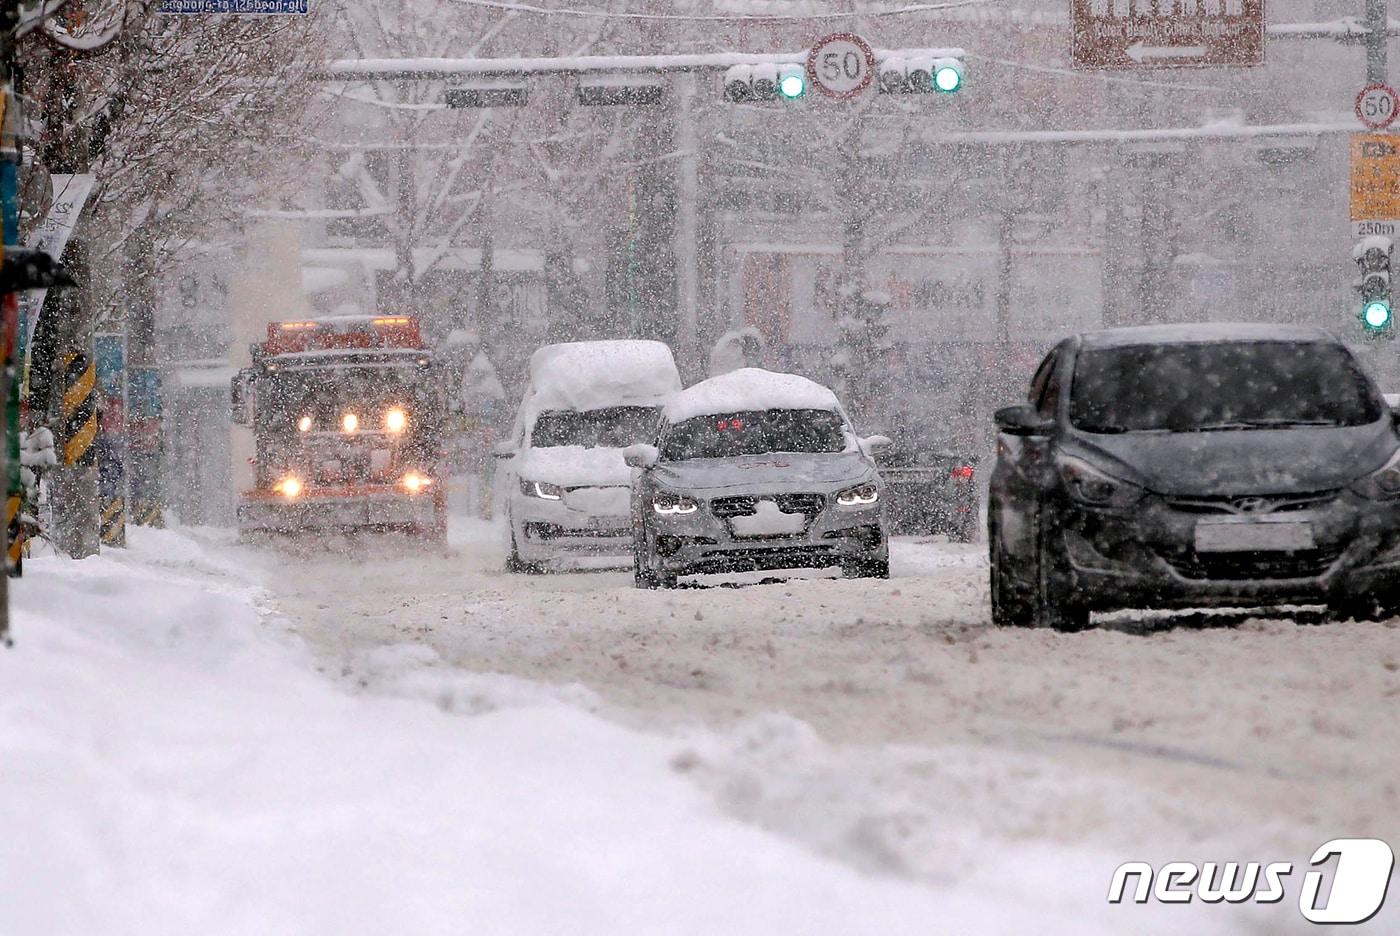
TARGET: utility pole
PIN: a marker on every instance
(1377, 35)
(9, 304)
(687, 227)
(141, 447)
(75, 488)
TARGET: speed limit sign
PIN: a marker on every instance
(1377, 106)
(842, 65)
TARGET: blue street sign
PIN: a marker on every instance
(110, 358)
(236, 7)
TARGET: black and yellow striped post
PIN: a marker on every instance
(17, 546)
(114, 521)
(79, 410)
(77, 505)
(147, 513)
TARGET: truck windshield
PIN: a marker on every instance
(327, 394)
(1227, 385)
(728, 435)
(611, 427)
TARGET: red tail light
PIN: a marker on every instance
(962, 473)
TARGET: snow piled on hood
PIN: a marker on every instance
(574, 465)
(747, 389)
(587, 375)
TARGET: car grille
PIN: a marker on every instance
(809, 503)
(1251, 505)
(806, 503)
(726, 507)
(1308, 563)
(794, 554)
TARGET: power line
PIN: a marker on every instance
(718, 17)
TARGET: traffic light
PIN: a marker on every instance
(757, 83)
(618, 90)
(488, 92)
(1373, 255)
(920, 74)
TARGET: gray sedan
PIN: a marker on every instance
(756, 489)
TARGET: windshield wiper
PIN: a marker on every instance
(1283, 422)
(1259, 424)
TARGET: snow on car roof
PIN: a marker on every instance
(585, 375)
(749, 389)
(1200, 332)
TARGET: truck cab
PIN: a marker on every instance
(347, 414)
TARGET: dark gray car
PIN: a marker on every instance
(756, 471)
(1195, 466)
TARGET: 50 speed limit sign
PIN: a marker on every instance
(1377, 106)
(842, 65)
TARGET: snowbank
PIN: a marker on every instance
(747, 389)
(585, 375)
(171, 763)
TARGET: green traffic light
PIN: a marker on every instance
(947, 79)
(1375, 315)
(792, 87)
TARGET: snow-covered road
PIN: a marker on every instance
(889, 725)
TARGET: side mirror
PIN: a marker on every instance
(503, 450)
(875, 443)
(1022, 420)
(239, 392)
(641, 456)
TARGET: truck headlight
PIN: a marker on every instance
(664, 502)
(349, 422)
(304, 424)
(413, 482)
(289, 487)
(1089, 485)
(541, 489)
(859, 496)
(1383, 483)
(395, 421)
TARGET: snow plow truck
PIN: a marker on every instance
(347, 416)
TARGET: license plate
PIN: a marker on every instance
(1253, 536)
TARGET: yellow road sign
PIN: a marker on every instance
(1375, 177)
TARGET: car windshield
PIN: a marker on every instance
(611, 427)
(727, 435)
(327, 394)
(1228, 385)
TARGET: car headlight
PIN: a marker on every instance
(859, 496)
(304, 424)
(1383, 483)
(289, 487)
(541, 489)
(395, 420)
(349, 422)
(1089, 485)
(666, 503)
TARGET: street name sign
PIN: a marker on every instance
(1134, 34)
(1377, 106)
(1375, 182)
(841, 65)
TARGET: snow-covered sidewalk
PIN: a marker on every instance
(170, 762)
(174, 760)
